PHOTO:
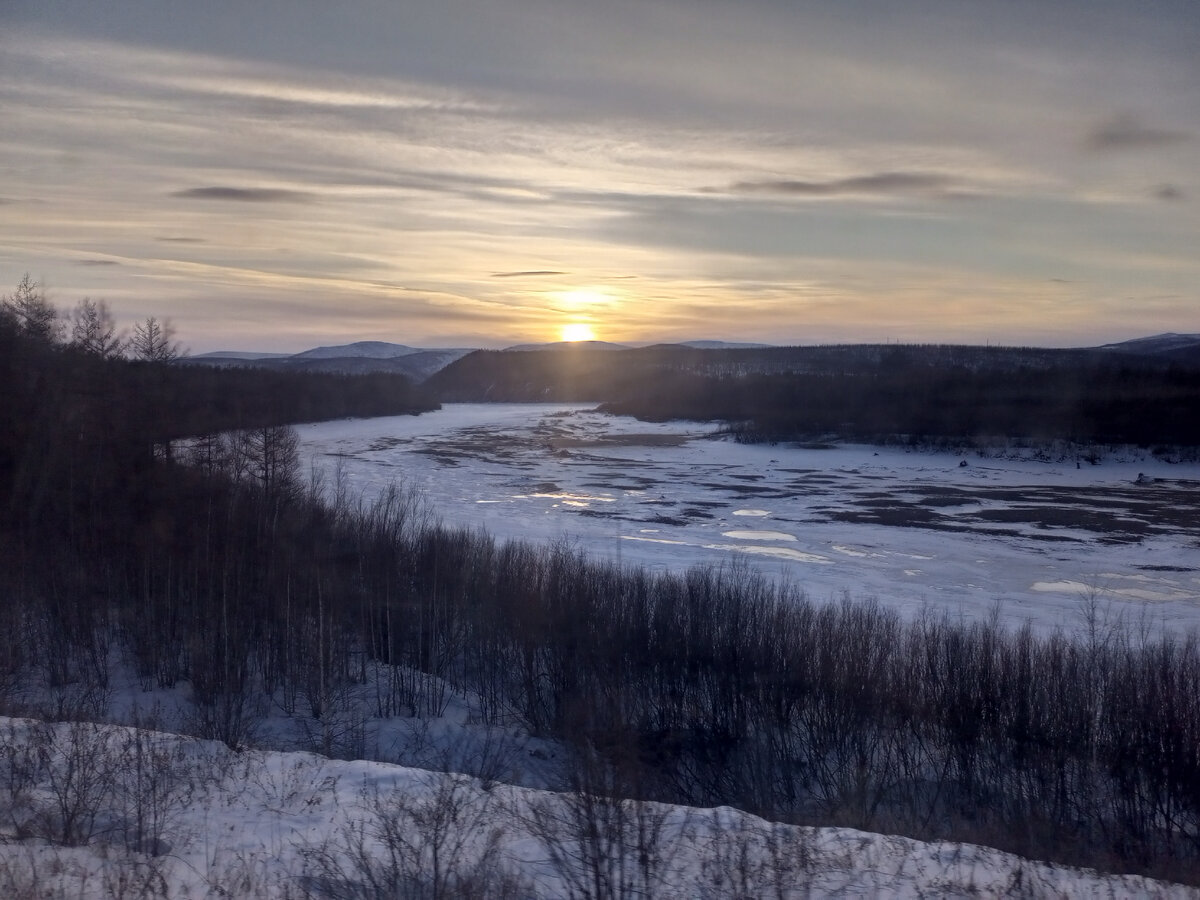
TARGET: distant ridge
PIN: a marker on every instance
(567, 345)
(367, 349)
(239, 354)
(611, 345)
(1168, 343)
(419, 364)
(722, 345)
(358, 358)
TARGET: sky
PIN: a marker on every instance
(278, 175)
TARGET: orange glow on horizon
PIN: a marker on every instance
(577, 331)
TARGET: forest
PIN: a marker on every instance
(868, 393)
(159, 515)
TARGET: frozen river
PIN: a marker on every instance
(912, 529)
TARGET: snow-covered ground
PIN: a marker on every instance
(912, 529)
(272, 824)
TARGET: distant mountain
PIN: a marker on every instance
(417, 365)
(359, 358)
(238, 354)
(568, 345)
(722, 345)
(424, 363)
(366, 349)
(490, 377)
(1159, 344)
(598, 371)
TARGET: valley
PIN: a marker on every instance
(1037, 539)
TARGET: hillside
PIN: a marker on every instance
(1183, 348)
(878, 393)
(363, 349)
(222, 584)
(361, 358)
(206, 822)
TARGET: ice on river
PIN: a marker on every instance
(909, 528)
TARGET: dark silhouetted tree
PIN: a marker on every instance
(93, 329)
(154, 341)
(32, 312)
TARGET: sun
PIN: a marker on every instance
(577, 331)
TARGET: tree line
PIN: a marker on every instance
(88, 327)
(219, 566)
(1103, 403)
(873, 393)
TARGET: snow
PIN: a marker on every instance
(913, 529)
(922, 531)
(276, 824)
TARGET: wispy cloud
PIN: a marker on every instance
(96, 262)
(877, 184)
(1127, 132)
(385, 96)
(245, 195)
(444, 155)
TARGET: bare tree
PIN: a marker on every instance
(154, 341)
(275, 459)
(417, 843)
(93, 329)
(74, 770)
(32, 312)
(600, 842)
(747, 860)
(154, 783)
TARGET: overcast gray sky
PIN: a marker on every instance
(274, 175)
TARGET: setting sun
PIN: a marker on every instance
(577, 331)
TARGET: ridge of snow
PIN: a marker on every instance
(259, 823)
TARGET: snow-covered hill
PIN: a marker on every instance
(1158, 343)
(362, 357)
(106, 811)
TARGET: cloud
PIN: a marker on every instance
(245, 195)
(880, 183)
(1127, 132)
(387, 95)
(531, 273)
(96, 262)
(1169, 192)
(181, 240)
